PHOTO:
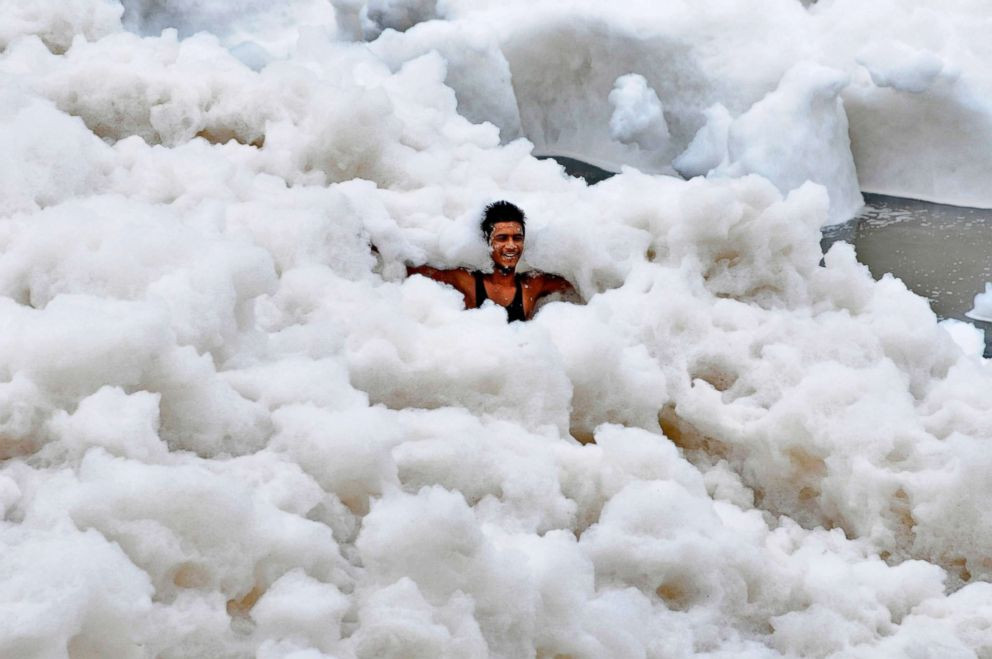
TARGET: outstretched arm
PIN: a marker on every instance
(460, 279)
(446, 276)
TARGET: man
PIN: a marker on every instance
(503, 226)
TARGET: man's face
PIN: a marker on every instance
(506, 244)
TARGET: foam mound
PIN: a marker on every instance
(228, 428)
(982, 307)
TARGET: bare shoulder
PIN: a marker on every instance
(462, 279)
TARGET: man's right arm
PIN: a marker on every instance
(460, 279)
(446, 276)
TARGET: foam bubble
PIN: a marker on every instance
(229, 428)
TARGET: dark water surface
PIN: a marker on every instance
(579, 169)
(942, 253)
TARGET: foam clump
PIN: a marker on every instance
(56, 24)
(397, 15)
(906, 67)
(982, 307)
(368, 19)
(807, 119)
(189, 16)
(70, 591)
(970, 338)
(228, 428)
(475, 68)
(253, 27)
(900, 67)
(637, 113)
(53, 157)
(709, 149)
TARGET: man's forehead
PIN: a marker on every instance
(507, 227)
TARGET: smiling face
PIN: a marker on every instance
(506, 244)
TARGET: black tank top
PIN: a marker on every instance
(515, 310)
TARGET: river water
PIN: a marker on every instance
(943, 253)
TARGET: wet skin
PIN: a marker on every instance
(506, 246)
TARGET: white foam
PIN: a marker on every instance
(982, 307)
(227, 428)
(896, 65)
(795, 134)
(637, 113)
(970, 338)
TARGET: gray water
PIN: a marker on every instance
(942, 253)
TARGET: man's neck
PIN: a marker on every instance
(502, 275)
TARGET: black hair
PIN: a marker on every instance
(501, 211)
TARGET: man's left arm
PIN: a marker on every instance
(551, 284)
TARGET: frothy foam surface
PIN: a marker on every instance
(230, 429)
